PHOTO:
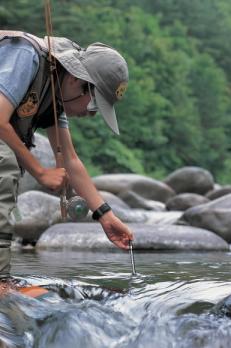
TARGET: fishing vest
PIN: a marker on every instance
(36, 108)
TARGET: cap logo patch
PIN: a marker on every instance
(121, 90)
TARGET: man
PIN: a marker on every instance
(86, 81)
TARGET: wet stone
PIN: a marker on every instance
(223, 308)
(214, 216)
(146, 237)
(38, 211)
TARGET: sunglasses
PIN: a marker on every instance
(92, 105)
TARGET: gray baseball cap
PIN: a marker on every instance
(98, 64)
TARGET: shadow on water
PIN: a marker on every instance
(176, 300)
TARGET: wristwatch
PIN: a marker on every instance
(104, 208)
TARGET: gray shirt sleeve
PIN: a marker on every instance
(19, 64)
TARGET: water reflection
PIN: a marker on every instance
(94, 301)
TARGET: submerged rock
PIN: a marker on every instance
(146, 237)
(223, 308)
(190, 179)
(214, 216)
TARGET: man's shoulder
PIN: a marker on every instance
(19, 64)
(19, 45)
(19, 52)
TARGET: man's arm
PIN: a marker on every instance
(81, 182)
(51, 178)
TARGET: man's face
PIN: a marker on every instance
(76, 97)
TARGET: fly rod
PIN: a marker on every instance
(132, 258)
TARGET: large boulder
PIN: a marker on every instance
(44, 154)
(38, 211)
(185, 201)
(190, 179)
(144, 186)
(146, 237)
(214, 216)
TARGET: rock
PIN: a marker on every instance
(173, 237)
(185, 201)
(125, 215)
(223, 307)
(131, 215)
(190, 179)
(147, 237)
(38, 210)
(214, 216)
(136, 201)
(113, 200)
(163, 217)
(217, 193)
(45, 156)
(144, 186)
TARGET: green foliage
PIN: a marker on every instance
(176, 111)
(224, 177)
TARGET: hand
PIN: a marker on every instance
(116, 231)
(52, 178)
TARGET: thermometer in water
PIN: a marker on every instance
(132, 258)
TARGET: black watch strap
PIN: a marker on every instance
(104, 208)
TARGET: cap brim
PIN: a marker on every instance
(107, 111)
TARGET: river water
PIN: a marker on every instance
(95, 301)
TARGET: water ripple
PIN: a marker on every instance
(175, 301)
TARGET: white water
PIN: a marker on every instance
(96, 303)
